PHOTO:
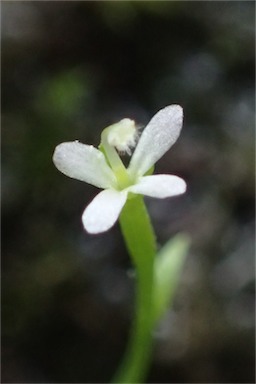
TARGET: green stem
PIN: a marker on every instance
(114, 161)
(140, 240)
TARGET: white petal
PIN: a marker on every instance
(160, 186)
(159, 135)
(85, 163)
(102, 213)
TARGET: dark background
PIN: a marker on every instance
(68, 70)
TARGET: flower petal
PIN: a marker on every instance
(159, 135)
(102, 213)
(85, 163)
(160, 186)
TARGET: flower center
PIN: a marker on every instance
(120, 136)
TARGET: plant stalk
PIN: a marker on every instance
(140, 241)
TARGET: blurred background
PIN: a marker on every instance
(69, 69)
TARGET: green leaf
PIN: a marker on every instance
(167, 269)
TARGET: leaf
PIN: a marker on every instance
(167, 271)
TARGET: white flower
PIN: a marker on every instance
(86, 163)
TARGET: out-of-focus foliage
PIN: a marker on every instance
(69, 69)
(168, 266)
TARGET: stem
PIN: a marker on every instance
(140, 240)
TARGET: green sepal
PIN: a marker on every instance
(150, 171)
(101, 148)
